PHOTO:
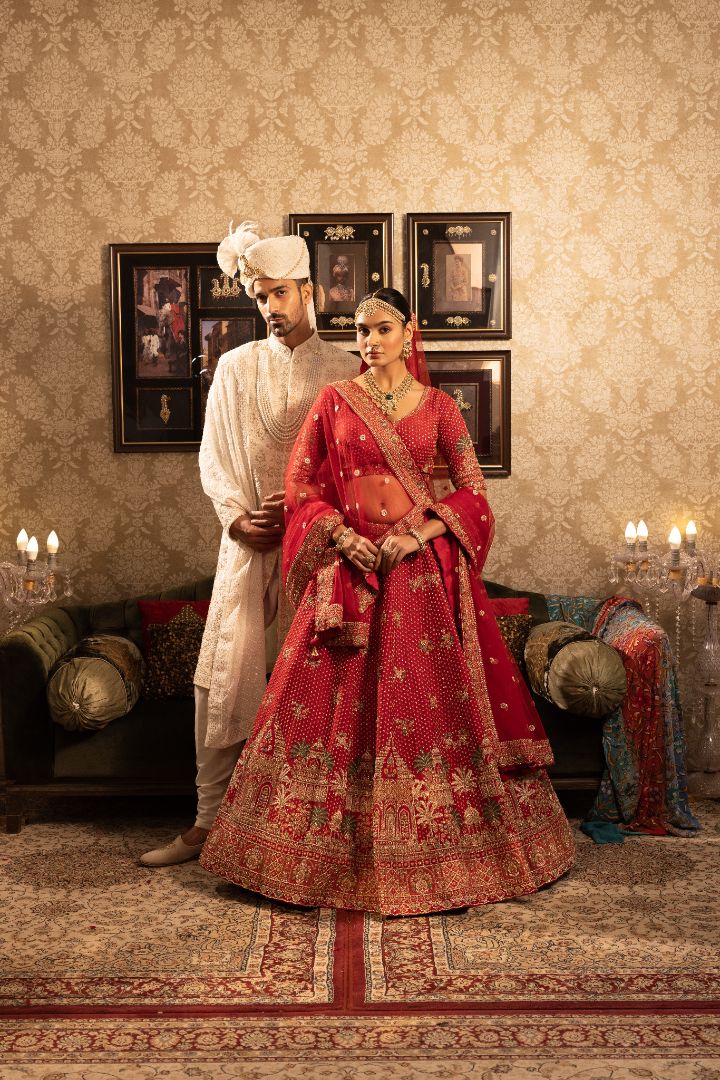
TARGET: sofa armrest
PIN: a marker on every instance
(26, 657)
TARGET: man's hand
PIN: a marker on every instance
(256, 538)
(271, 513)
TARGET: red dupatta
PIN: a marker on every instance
(328, 483)
(321, 493)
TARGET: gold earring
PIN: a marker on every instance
(406, 349)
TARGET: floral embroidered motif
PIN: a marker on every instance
(376, 775)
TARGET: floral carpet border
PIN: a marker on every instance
(366, 1038)
(147, 998)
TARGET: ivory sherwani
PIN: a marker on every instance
(260, 396)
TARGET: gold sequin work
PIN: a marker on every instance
(400, 770)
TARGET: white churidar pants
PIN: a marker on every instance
(215, 764)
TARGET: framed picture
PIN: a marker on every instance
(350, 255)
(479, 382)
(174, 313)
(459, 274)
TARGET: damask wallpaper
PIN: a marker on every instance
(594, 121)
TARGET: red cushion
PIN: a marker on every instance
(172, 633)
(157, 612)
(510, 605)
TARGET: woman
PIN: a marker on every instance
(397, 763)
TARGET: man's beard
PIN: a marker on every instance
(284, 325)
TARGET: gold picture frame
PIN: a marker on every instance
(170, 304)
(350, 255)
(459, 274)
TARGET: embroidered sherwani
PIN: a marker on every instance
(397, 763)
(241, 463)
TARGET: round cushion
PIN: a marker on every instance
(97, 681)
(575, 670)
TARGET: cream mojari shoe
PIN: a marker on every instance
(176, 852)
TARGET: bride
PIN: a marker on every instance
(397, 763)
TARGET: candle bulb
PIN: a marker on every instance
(691, 536)
(22, 542)
(630, 539)
(642, 532)
(32, 549)
(674, 540)
(53, 543)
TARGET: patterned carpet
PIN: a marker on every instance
(111, 970)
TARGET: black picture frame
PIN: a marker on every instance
(459, 274)
(173, 312)
(350, 255)
(479, 382)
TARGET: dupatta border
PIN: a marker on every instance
(310, 555)
(473, 656)
(510, 753)
(453, 521)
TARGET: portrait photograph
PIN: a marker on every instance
(479, 384)
(459, 274)
(162, 322)
(350, 256)
(342, 277)
(458, 277)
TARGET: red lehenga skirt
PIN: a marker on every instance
(374, 777)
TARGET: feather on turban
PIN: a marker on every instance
(277, 257)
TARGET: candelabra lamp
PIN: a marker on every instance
(29, 583)
(672, 573)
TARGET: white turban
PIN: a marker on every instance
(278, 257)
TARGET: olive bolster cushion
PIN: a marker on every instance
(574, 669)
(97, 681)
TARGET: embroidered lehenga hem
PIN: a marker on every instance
(399, 877)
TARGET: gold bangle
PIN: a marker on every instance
(340, 542)
(421, 541)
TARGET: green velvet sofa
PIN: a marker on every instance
(151, 750)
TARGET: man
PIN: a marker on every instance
(259, 398)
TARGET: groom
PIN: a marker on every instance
(259, 398)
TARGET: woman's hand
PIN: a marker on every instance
(360, 551)
(393, 551)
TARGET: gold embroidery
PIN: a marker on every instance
(313, 550)
(423, 581)
(390, 443)
(454, 523)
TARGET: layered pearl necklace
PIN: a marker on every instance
(286, 430)
(387, 401)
